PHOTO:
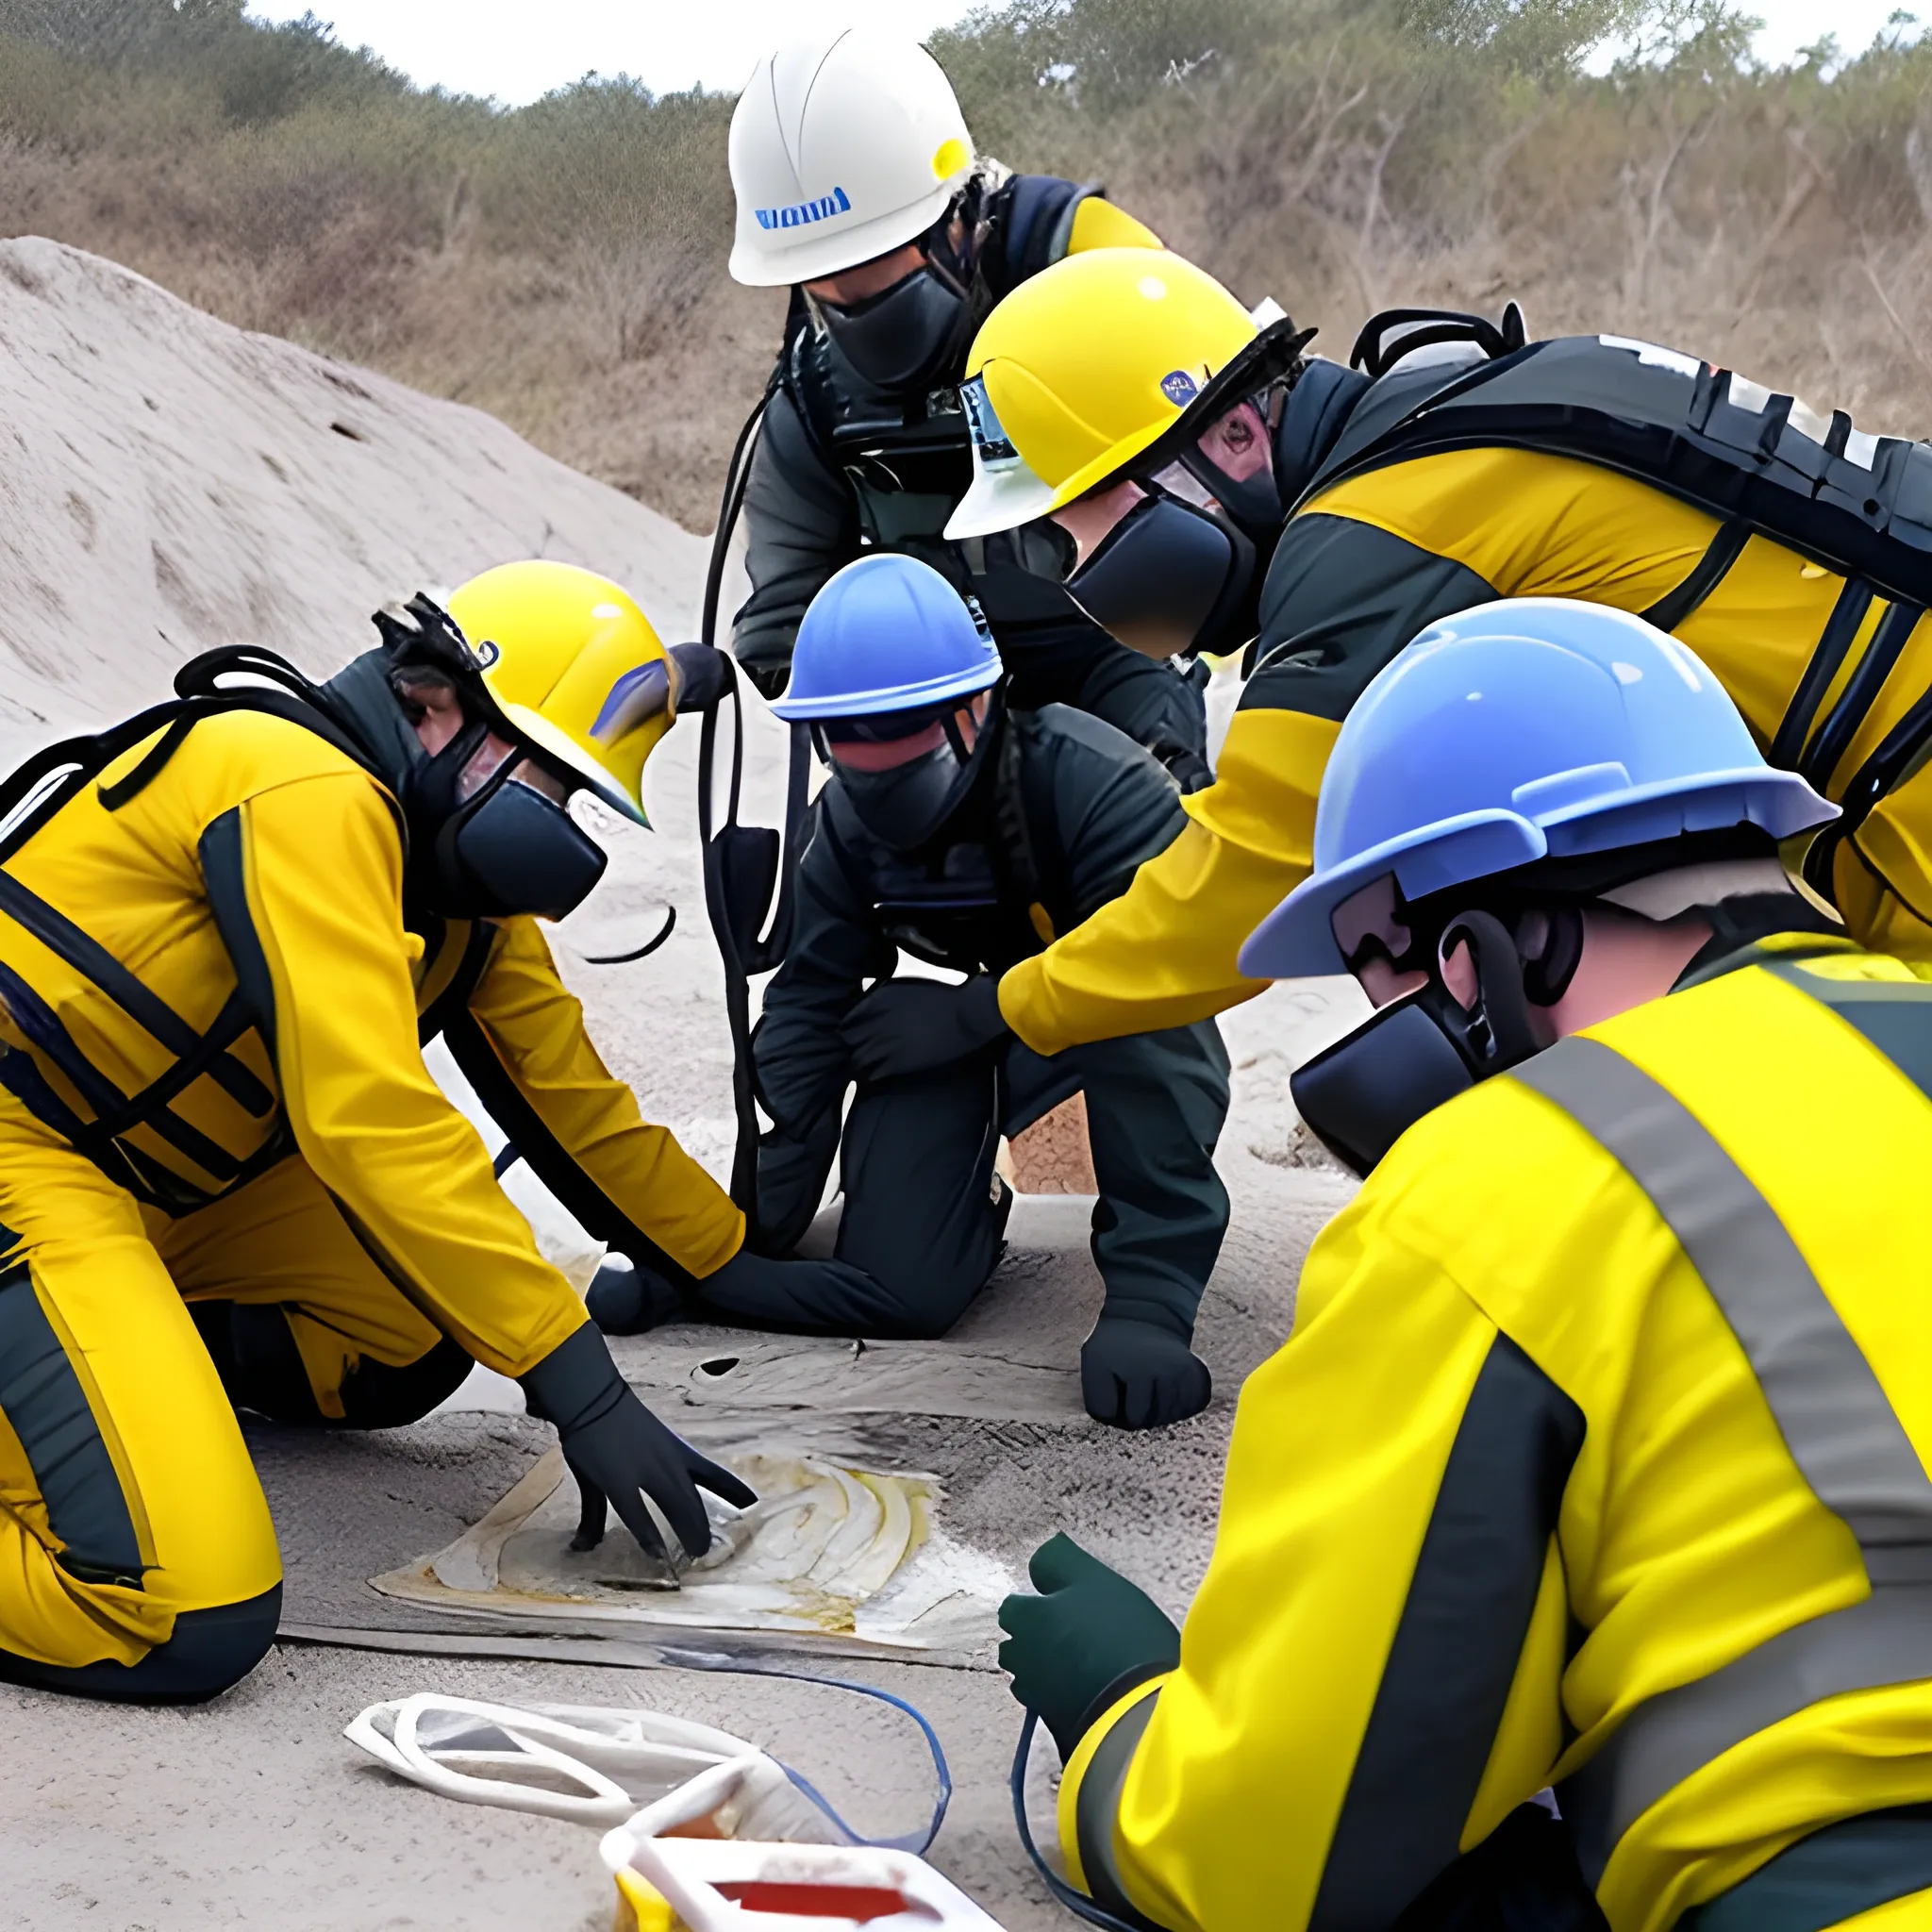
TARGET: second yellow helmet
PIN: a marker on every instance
(575, 669)
(1082, 368)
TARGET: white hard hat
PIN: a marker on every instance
(842, 148)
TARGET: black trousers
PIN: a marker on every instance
(925, 1214)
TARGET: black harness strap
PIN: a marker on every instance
(147, 1182)
(123, 790)
(1834, 641)
(1860, 693)
(115, 1112)
(1014, 850)
(152, 1013)
(32, 795)
(1675, 605)
(455, 998)
(1860, 505)
(40, 1026)
(1901, 752)
(48, 779)
(236, 1019)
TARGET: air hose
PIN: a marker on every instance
(1076, 1901)
(913, 1842)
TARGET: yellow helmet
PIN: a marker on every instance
(1084, 368)
(576, 669)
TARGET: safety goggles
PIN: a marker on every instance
(886, 742)
(888, 728)
(1272, 359)
(1379, 924)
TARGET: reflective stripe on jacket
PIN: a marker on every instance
(1597, 1457)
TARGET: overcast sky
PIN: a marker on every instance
(519, 49)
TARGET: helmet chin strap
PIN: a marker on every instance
(1498, 1034)
(1364, 1092)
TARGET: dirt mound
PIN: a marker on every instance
(170, 482)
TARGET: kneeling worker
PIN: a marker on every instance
(1598, 1455)
(968, 836)
(225, 1174)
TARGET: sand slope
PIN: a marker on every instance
(168, 482)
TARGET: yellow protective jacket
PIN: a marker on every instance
(1364, 566)
(214, 973)
(1597, 1457)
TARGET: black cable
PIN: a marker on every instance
(643, 951)
(1074, 1900)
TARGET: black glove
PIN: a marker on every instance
(1085, 1641)
(911, 1025)
(703, 676)
(616, 1448)
(1140, 1377)
(627, 1300)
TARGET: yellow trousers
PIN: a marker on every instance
(136, 1555)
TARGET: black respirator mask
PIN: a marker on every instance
(898, 338)
(1169, 579)
(1364, 1092)
(909, 805)
(505, 849)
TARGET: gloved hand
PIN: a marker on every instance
(1140, 1377)
(910, 1026)
(627, 1300)
(1086, 1638)
(618, 1449)
(703, 676)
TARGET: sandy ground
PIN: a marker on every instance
(219, 454)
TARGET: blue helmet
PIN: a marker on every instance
(1528, 729)
(887, 633)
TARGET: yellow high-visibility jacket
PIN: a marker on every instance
(1597, 1457)
(1363, 567)
(215, 974)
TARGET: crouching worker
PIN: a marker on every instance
(968, 836)
(1598, 1457)
(226, 1176)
